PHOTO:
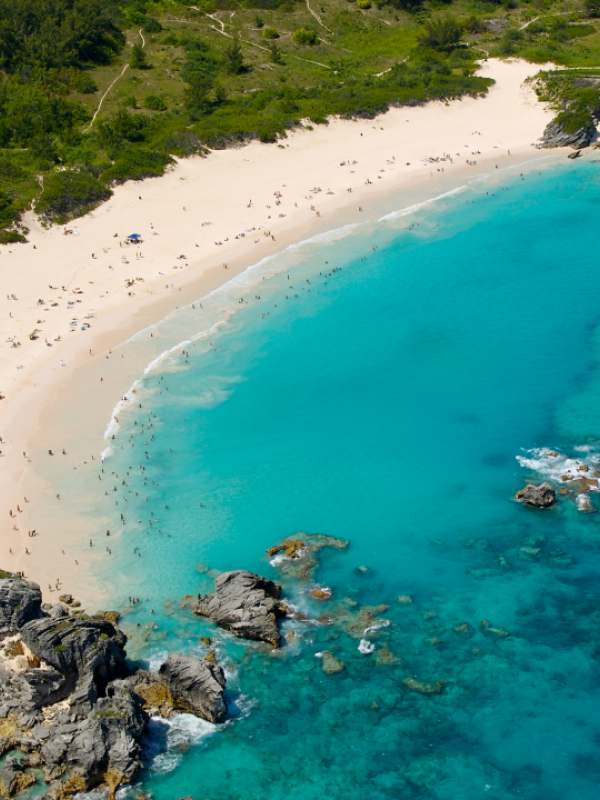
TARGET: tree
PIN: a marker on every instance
(138, 58)
(275, 54)
(195, 95)
(441, 33)
(234, 58)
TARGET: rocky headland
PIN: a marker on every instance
(71, 707)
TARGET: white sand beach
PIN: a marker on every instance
(69, 297)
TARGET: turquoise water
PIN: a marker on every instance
(381, 389)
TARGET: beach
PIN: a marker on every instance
(71, 298)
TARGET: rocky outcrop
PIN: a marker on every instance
(556, 136)
(246, 605)
(196, 686)
(106, 740)
(20, 602)
(68, 701)
(88, 653)
(541, 496)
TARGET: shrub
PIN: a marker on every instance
(8, 212)
(155, 103)
(138, 58)
(11, 237)
(270, 33)
(86, 85)
(592, 8)
(574, 120)
(441, 33)
(305, 37)
(71, 194)
(364, 4)
(130, 102)
(152, 25)
(134, 163)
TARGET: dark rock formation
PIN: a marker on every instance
(88, 653)
(541, 496)
(556, 136)
(246, 605)
(20, 602)
(196, 686)
(108, 739)
(50, 654)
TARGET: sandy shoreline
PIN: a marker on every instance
(234, 190)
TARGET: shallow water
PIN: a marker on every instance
(382, 393)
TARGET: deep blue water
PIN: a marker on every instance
(381, 390)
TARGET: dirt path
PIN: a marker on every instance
(318, 18)
(125, 68)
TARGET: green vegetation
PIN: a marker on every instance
(270, 33)
(574, 93)
(305, 37)
(174, 78)
(441, 33)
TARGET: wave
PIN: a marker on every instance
(403, 212)
(552, 465)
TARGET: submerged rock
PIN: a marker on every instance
(425, 688)
(196, 686)
(541, 496)
(321, 593)
(245, 604)
(492, 631)
(330, 664)
(298, 557)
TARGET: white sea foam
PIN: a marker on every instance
(377, 626)
(366, 647)
(584, 503)
(552, 465)
(167, 740)
(403, 212)
(156, 660)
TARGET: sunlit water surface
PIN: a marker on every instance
(382, 389)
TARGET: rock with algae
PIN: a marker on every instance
(330, 664)
(298, 557)
(437, 687)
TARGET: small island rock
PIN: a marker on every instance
(245, 604)
(541, 496)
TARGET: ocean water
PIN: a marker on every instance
(392, 384)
